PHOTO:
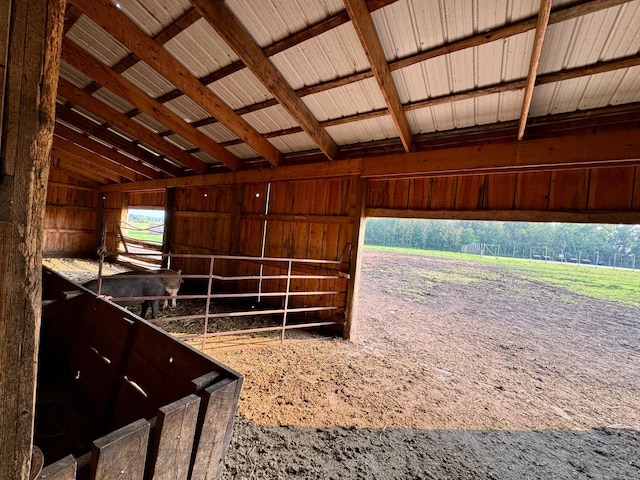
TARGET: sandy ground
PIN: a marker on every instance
(491, 377)
(458, 371)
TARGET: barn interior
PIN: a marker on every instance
(275, 128)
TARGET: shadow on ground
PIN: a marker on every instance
(260, 452)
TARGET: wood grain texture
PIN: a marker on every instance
(219, 403)
(32, 60)
(170, 450)
(121, 454)
(63, 469)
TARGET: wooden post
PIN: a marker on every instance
(353, 287)
(168, 225)
(30, 38)
(236, 224)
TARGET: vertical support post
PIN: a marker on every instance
(30, 41)
(168, 227)
(206, 313)
(355, 264)
(286, 299)
(236, 223)
(264, 239)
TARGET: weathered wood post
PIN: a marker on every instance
(30, 41)
(359, 221)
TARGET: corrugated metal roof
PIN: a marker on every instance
(73, 75)
(240, 89)
(406, 28)
(92, 38)
(200, 49)
(325, 57)
(148, 80)
(270, 21)
(153, 15)
(358, 97)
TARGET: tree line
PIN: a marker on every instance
(517, 239)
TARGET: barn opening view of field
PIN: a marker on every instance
(341, 239)
(499, 350)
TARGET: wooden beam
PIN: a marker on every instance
(593, 150)
(359, 219)
(236, 36)
(561, 14)
(62, 160)
(124, 30)
(64, 114)
(79, 159)
(297, 38)
(136, 170)
(168, 33)
(87, 64)
(30, 55)
(586, 70)
(76, 96)
(541, 29)
(370, 42)
(553, 153)
(558, 15)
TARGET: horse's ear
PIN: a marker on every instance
(179, 271)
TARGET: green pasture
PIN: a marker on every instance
(140, 231)
(604, 283)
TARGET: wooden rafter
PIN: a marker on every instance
(138, 168)
(84, 62)
(561, 14)
(82, 159)
(168, 33)
(94, 160)
(296, 38)
(551, 77)
(68, 116)
(82, 99)
(234, 34)
(541, 28)
(370, 42)
(64, 161)
(124, 30)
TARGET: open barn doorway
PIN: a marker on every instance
(142, 235)
(464, 366)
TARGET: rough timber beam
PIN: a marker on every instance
(87, 64)
(366, 31)
(124, 30)
(132, 169)
(80, 158)
(594, 150)
(30, 35)
(541, 29)
(558, 15)
(234, 34)
(82, 99)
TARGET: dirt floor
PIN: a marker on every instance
(492, 377)
(458, 371)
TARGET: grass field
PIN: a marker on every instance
(141, 231)
(605, 283)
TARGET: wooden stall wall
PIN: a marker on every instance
(70, 216)
(302, 219)
(152, 199)
(201, 224)
(602, 195)
(312, 219)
